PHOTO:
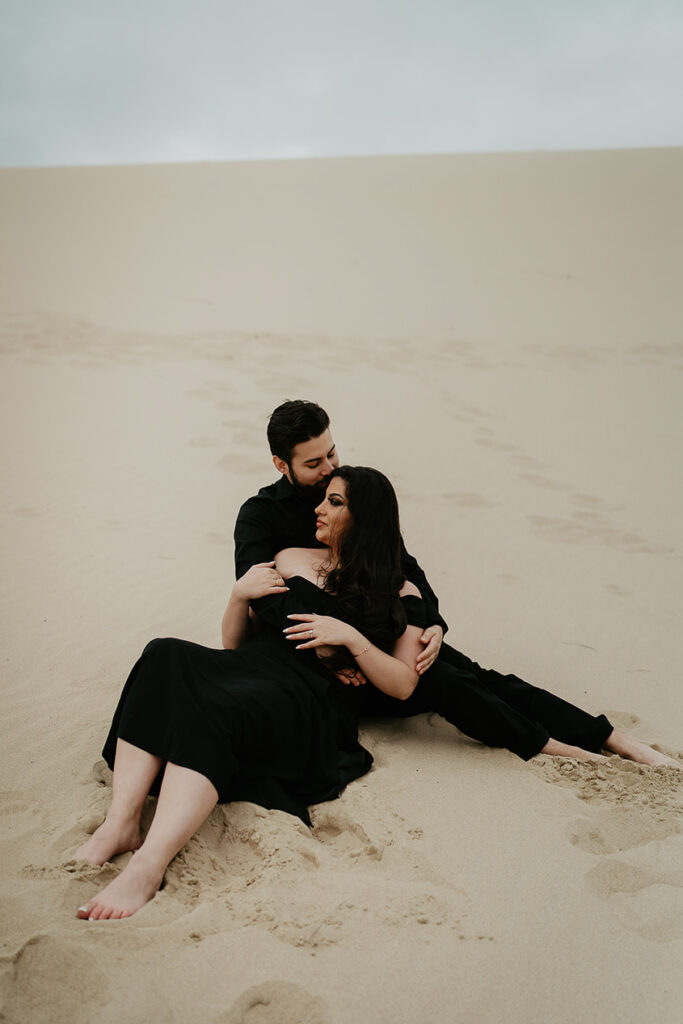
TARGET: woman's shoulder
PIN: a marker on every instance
(302, 562)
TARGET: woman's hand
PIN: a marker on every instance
(259, 581)
(321, 630)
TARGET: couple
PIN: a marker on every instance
(330, 619)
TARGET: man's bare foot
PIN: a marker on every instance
(135, 886)
(558, 749)
(108, 840)
(634, 750)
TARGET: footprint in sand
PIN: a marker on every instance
(277, 1002)
(204, 442)
(48, 980)
(541, 481)
(14, 801)
(617, 590)
(234, 462)
(217, 538)
(594, 528)
(314, 920)
(646, 900)
(498, 446)
(466, 499)
(627, 805)
(335, 828)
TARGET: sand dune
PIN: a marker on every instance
(500, 335)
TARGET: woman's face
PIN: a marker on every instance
(332, 514)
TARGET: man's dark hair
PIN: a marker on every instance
(292, 423)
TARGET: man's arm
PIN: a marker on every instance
(259, 581)
(415, 574)
(432, 636)
(255, 539)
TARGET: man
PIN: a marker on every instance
(281, 515)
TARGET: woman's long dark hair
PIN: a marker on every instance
(370, 575)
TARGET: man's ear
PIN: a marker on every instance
(280, 465)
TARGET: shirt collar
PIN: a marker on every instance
(283, 488)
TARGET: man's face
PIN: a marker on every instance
(310, 465)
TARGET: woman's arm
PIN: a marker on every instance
(393, 674)
(258, 581)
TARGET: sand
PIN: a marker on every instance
(502, 336)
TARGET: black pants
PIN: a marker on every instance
(499, 710)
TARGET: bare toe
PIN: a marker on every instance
(131, 890)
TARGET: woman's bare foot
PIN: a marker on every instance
(558, 749)
(108, 840)
(135, 886)
(634, 750)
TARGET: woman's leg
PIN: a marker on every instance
(185, 800)
(134, 772)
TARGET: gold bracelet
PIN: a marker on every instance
(362, 652)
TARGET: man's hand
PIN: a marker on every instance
(432, 638)
(259, 581)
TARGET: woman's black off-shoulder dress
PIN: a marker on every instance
(264, 723)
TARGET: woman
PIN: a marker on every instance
(268, 722)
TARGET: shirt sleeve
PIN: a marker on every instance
(415, 574)
(254, 537)
(416, 611)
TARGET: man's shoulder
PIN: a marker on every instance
(271, 492)
(267, 499)
(266, 493)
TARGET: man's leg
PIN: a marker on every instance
(460, 696)
(372, 703)
(452, 689)
(564, 721)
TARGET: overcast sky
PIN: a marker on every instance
(139, 81)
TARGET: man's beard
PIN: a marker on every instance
(314, 492)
